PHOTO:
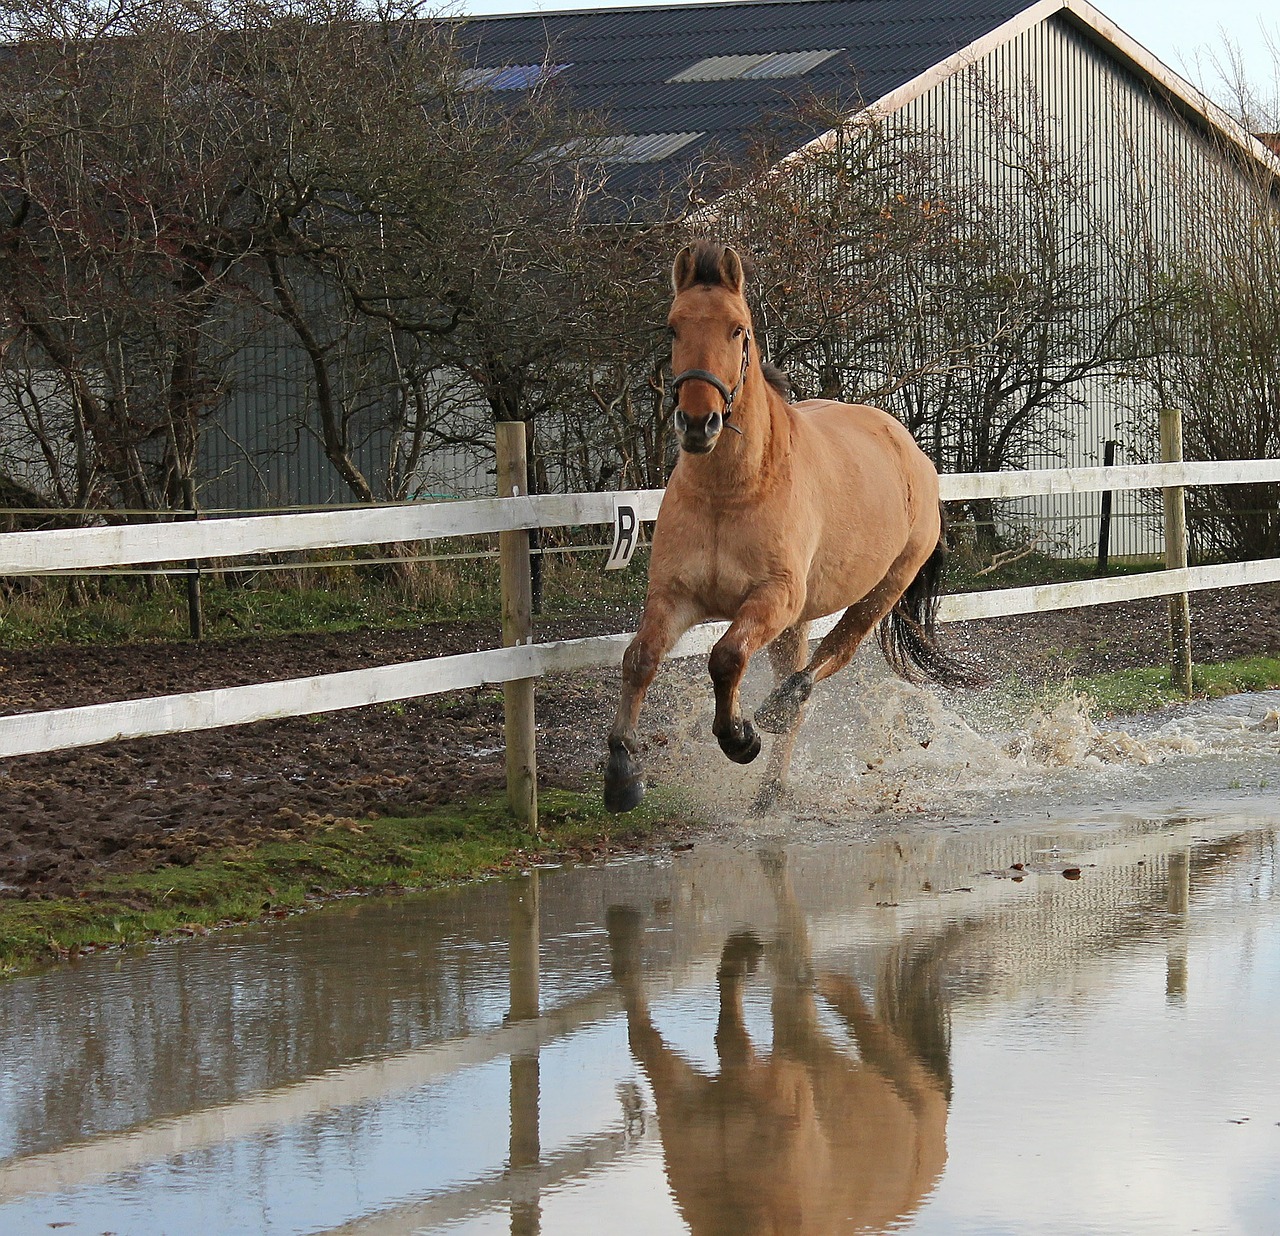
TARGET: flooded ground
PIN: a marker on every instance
(1064, 1022)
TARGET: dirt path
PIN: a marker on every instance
(67, 818)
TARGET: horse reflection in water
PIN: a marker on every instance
(806, 1138)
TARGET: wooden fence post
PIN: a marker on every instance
(1175, 551)
(525, 1144)
(517, 628)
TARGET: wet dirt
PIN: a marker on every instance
(68, 818)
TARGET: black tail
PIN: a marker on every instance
(909, 636)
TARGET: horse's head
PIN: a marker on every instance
(710, 327)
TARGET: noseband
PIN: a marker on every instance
(703, 375)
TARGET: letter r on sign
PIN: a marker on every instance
(626, 525)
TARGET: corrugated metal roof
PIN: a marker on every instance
(719, 71)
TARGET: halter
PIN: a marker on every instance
(704, 375)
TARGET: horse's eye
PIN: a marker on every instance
(737, 332)
(671, 332)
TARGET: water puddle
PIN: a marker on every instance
(1048, 1025)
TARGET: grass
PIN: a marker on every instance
(337, 599)
(1143, 690)
(1037, 568)
(239, 885)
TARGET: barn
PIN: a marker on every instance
(1004, 85)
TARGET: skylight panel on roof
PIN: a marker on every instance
(719, 68)
(510, 76)
(627, 147)
(790, 64)
(754, 67)
(649, 147)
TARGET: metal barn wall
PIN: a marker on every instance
(1135, 155)
(262, 446)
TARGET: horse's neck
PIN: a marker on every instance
(743, 465)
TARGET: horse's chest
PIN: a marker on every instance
(719, 557)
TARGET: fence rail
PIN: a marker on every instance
(69, 549)
(63, 549)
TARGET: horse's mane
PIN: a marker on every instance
(777, 378)
(708, 255)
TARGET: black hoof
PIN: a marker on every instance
(623, 783)
(741, 955)
(743, 746)
(779, 712)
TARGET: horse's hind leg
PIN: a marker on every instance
(835, 650)
(663, 623)
(787, 654)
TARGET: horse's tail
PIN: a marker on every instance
(909, 636)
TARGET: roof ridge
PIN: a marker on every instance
(597, 11)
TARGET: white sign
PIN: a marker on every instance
(626, 534)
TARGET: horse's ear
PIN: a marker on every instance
(684, 270)
(731, 272)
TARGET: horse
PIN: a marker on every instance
(806, 1137)
(775, 515)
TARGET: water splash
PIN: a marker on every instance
(873, 746)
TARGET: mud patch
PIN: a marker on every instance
(65, 819)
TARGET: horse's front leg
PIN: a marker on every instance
(763, 616)
(664, 622)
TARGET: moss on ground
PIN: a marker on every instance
(1142, 690)
(230, 886)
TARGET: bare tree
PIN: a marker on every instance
(119, 221)
(170, 172)
(1216, 339)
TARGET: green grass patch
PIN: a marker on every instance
(452, 844)
(1143, 690)
(964, 575)
(336, 599)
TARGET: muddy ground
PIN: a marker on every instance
(66, 819)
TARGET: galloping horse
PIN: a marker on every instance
(776, 515)
(804, 1138)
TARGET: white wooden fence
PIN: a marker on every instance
(32, 553)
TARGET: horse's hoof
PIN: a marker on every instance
(740, 956)
(741, 748)
(623, 783)
(779, 712)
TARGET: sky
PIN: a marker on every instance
(1187, 35)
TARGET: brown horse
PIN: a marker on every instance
(794, 513)
(805, 1138)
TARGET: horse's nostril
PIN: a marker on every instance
(710, 425)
